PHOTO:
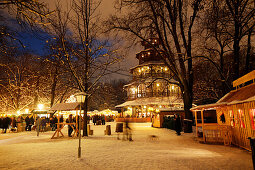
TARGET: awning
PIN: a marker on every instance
(65, 106)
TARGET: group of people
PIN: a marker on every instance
(6, 122)
(97, 118)
(72, 119)
(29, 123)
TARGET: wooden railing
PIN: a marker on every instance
(135, 120)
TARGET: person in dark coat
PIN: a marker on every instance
(14, 122)
(70, 129)
(103, 119)
(95, 119)
(6, 122)
(1, 123)
(178, 125)
(31, 123)
(43, 124)
(27, 120)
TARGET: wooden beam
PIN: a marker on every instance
(202, 118)
(196, 123)
(244, 79)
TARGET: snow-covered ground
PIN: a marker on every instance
(27, 151)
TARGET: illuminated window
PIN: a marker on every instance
(232, 118)
(241, 118)
(252, 116)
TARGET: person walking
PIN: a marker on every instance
(38, 125)
(127, 135)
(178, 125)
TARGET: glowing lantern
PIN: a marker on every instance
(40, 106)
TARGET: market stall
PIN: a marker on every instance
(63, 107)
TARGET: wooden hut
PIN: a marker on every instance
(235, 114)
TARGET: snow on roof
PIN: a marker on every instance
(242, 95)
(207, 106)
(239, 95)
(65, 106)
(152, 101)
(148, 63)
(171, 109)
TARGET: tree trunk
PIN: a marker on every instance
(187, 99)
(236, 47)
(248, 54)
(53, 88)
(85, 123)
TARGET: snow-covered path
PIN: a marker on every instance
(27, 151)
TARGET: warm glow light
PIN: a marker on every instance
(149, 53)
(172, 87)
(139, 70)
(144, 107)
(157, 110)
(27, 110)
(133, 90)
(160, 106)
(150, 109)
(158, 84)
(142, 56)
(18, 112)
(148, 67)
(142, 69)
(40, 106)
(165, 68)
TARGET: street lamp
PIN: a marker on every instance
(40, 106)
(80, 97)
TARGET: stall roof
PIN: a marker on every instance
(152, 101)
(242, 95)
(65, 106)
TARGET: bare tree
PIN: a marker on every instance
(84, 53)
(32, 12)
(172, 22)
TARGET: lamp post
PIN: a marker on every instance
(80, 97)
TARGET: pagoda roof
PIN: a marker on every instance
(153, 101)
(148, 63)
